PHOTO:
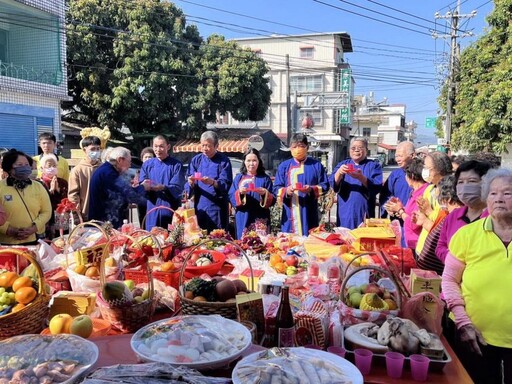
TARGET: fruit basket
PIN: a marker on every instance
(127, 318)
(31, 318)
(167, 248)
(192, 307)
(87, 258)
(375, 302)
(218, 259)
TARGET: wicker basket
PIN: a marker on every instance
(90, 255)
(166, 248)
(350, 315)
(191, 307)
(128, 319)
(32, 318)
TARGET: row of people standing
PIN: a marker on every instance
(209, 183)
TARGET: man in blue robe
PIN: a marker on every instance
(299, 182)
(110, 192)
(356, 181)
(167, 180)
(208, 182)
(395, 185)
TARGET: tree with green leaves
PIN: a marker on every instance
(138, 63)
(483, 104)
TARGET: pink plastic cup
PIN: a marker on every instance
(339, 351)
(251, 186)
(351, 167)
(298, 185)
(197, 175)
(419, 367)
(363, 358)
(394, 364)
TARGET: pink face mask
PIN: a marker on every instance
(50, 172)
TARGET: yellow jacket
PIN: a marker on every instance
(38, 203)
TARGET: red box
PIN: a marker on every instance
(13, 262)
(140, 276)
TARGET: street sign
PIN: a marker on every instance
(345, 86)
(441, 141)
(430, 122)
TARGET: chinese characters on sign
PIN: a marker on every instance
(345, 85)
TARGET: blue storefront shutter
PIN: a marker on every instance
(18, 131)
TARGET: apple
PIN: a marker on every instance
(81, 326)
(292, 260)
(60, 323)
(373, 288)
(130, 284)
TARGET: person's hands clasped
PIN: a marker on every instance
(54, 185)
(393, 206)
(291, 188)
(471, 337)
(21, 233)
(424, 206)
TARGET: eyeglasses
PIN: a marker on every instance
(357, 148)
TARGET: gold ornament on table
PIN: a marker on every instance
(103, 134)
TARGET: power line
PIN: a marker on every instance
(371, 18)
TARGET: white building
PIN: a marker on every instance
(33, 76)
(321, 88)
(383, 124)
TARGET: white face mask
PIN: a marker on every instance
(94, 155)
(425, 174)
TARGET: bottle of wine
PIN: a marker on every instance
(285, 326)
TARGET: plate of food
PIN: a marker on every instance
(291, 365)
(194, 341)
(56, 358)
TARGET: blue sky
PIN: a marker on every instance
(394, 54)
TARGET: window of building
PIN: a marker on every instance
(3, 45)
(367, 132)
(307, 52)
(316, 114)
(313, 83)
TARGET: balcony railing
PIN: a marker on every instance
(30, 73)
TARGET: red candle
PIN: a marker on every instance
(298, 185)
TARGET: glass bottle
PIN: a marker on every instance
(285, 326)
(333, 280)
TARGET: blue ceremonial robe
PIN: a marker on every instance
(355, 201)
(211, 204)
(251, 206)
(394, 186)
(110, 194)
(168, 172)
(300, 211)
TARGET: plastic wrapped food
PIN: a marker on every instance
(195, 341)
(54, 359)
(295, 365)
(153, 373)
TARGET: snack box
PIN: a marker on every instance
(425, 281)
(373, 239)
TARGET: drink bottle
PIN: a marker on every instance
(285, 326)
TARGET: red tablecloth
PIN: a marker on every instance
(115, 349)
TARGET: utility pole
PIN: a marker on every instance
(288, 102)
(453, 68)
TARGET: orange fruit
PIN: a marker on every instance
(92, 272)
(7, 279)
(18, 307)
(280, 267)
(274, 259)
(81, 269)
(25, 295)
(167, 266)
(21, 282)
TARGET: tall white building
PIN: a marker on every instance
(320, 89)
(33, 76)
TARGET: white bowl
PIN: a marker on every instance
(194, 341)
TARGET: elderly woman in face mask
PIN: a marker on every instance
(476, 284)
(357, 181)
(299, 182)
(468, 179)
(26, 202)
